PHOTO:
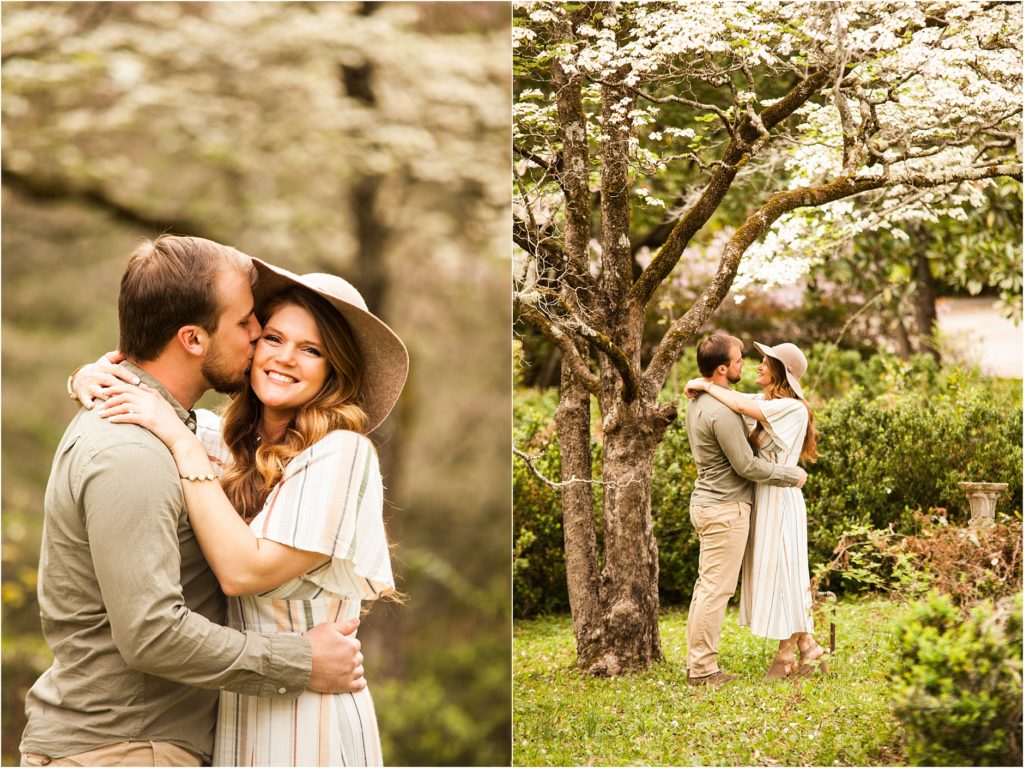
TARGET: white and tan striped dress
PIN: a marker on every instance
(330, 500)
(775, 596)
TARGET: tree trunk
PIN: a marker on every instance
(629, 581)
(572, 420)
(925, 315)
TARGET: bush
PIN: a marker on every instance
(957, 685)
(968, 565)
(885, 459)
(538, 563)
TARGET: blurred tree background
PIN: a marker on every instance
(371, 140)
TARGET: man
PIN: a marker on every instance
(129, 607)
(720, 504)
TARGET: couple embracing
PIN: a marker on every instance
(748, 509)
(153, 512)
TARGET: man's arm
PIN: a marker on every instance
(131, 499)
(730, 435)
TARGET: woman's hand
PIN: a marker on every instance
(145, 406)
(693, 386)
(91, 382)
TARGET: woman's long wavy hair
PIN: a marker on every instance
(779, 387)
(257, 466)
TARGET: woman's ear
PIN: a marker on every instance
(193, 339)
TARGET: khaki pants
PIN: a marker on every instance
(123, 753)
(723, 538)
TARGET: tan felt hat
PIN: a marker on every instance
(792, 359)
(385, 358)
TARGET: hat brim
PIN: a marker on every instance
(794, 382)
(385, 357)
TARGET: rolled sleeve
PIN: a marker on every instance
(132, 503)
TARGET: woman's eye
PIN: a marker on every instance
(312, 351)
(269, 337)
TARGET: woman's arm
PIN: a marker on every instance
(243, 564)
(736, 401)
(89, 382)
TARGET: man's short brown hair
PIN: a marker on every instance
(714, 351)
(171, 282)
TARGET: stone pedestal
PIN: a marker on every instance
(983, 497)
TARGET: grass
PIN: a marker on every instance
(564, 717)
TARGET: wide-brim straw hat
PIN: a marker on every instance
(793, 361)
(385, 358)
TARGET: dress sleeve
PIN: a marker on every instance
(331, 500)
(786, 419)
(747, 421)
(208, 430)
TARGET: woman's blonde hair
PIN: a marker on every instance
(778, 387)
(257, 467)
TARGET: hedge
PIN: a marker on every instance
(886, 455)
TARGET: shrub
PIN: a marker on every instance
(884, 460)
(966, 564)
(957, 686)
(538, 562)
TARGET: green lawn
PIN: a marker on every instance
(563, 717)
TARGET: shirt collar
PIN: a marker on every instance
(189, 417)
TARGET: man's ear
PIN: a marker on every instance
(193, 339)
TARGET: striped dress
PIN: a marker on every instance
(775, 594)
(330, 500)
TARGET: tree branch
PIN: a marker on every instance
(747, 133)
(48, 189)
(684, 329)
(570, 354)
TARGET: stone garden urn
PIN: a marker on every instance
(982, 497)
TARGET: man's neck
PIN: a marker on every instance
(720, 380)
(177, 378)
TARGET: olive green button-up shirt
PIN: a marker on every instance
(129, 606)
(726, 465)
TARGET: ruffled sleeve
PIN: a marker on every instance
(331, 500)
(208, 430)
(786, 419)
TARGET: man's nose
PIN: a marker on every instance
(254, 330)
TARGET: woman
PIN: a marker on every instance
(775, 595)
(295, 464)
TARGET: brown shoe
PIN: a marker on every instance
(782, 666)
(714, 679)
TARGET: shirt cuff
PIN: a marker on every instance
(290, 663)
(788, 475)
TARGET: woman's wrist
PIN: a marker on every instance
(189, 455)
(71, 382)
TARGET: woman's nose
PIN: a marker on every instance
(285, 354)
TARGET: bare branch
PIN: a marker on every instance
(528, 460)
(570, 354)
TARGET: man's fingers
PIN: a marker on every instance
(348, 627)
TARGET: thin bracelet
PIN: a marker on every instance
(198, 478)
(71, 378)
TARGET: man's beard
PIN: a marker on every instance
(222, 379)
(731, 379)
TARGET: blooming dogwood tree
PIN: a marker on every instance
(654, 125)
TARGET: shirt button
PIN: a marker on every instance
(282, 690)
